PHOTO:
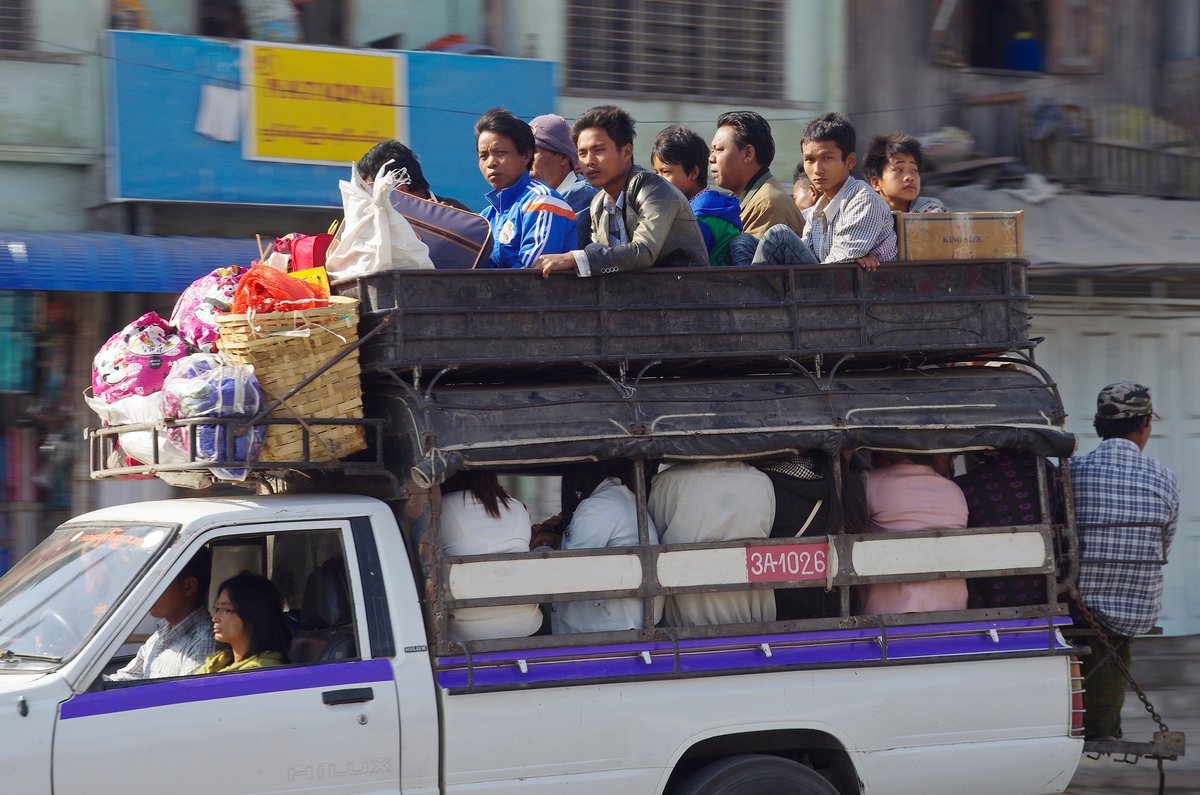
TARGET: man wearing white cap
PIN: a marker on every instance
(1126, 512)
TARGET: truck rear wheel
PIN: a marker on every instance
(756, 774)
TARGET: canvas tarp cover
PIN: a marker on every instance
(445, 429)
(1089, 235)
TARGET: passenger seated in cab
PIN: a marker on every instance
(892, 166)
(248, 619)
(480, 518)
(909, 495)
(714, 501)
(605, 516)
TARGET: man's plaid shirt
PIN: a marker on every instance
(172, 650)
(1126, 510)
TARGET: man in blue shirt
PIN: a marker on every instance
(527, 216)
(1126, 512)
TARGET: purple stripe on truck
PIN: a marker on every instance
(736, 655)
(219, 686)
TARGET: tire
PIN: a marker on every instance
(756, 774)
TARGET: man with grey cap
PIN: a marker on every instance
(555, 160)
(1126, 512)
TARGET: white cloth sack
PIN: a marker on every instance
(373, 236)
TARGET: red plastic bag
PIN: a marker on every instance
(264, 289)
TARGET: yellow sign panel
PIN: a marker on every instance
(313, 105)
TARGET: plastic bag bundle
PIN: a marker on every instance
(149, 446)
(136, 359)
(374, 236)
(208, 385)
(265, 289)
(195, 311)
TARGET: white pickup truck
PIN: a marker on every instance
(377, 698)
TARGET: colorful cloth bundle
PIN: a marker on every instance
(136, 359)
(195, 311)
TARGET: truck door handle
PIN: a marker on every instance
(350, 695)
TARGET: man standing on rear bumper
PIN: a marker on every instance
(1126, 512)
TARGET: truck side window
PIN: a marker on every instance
(309, 569)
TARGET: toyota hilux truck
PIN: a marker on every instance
(507, 373)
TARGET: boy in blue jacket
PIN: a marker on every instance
(680, 156)
(527, 216)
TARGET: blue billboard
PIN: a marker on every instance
(176, 121)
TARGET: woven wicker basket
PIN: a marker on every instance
(287, 347)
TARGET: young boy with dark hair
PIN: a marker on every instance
(401, 157)
(638, 220)
(680, 156)
(892, 166)
(849, 221)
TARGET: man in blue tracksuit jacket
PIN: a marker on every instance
(527, 216)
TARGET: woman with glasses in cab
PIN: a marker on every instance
(248, 618)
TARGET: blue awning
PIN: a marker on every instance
(110, 262)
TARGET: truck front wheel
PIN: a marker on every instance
(756, 774)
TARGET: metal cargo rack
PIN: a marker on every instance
(188, 469)
(514, 324)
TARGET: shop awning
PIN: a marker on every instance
(110, 262)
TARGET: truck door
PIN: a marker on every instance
(328, 721)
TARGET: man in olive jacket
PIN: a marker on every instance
(639, 220)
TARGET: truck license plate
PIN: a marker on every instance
(787, 562)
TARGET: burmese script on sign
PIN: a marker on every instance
(313, 105)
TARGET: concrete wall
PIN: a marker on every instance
(50, 122)
(814, 75)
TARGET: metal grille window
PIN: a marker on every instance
(679, 48)
(14, 17)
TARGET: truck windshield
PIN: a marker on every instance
(54, 598)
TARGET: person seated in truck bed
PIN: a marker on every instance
(740, 160)
(803, 193)
(680, 156)
(401, 157)
(605, 515)
(1001, 488)
(807, 504)
(480, 518)
(849, 221)
(248, 619)
(527, 216)
(638, 219)
(908, 495)
(714, 501)
(892, 166)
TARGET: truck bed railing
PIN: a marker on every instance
(839, 562)
(511, 322)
